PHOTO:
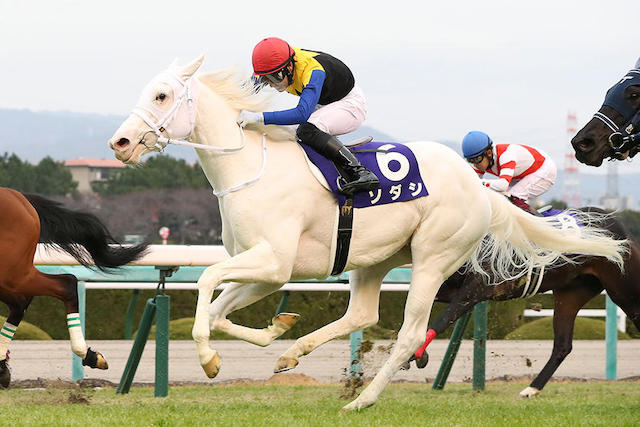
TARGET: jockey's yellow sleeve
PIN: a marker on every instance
(318, 78)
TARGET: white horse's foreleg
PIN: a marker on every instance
(362, 312)
(257, 264)
(238, 295)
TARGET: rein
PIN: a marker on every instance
(253, 180)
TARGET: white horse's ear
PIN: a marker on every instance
(174, 63)
(637, 66)
(191, 68)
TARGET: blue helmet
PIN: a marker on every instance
(474, 143)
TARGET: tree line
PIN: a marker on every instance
(52, 178)
(164, 191)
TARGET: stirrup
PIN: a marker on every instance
(352, 187)
(358, 141)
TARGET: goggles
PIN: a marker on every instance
(476, 159)
(275, 78)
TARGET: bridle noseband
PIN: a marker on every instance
(163, 124)
(623, 141)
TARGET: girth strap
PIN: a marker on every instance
(343, 239)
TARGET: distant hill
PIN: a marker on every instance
(63, 135)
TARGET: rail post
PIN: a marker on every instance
(611, 339)
(162, 346)
(138, 347)
(355, 367)
(479, 344)
(77, 370)
(451, 353)
(162, 339)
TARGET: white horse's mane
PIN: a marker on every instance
(242, 94)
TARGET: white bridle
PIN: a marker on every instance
(181, 129)
(167, 123)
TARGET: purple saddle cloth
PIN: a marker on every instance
(552, 212)
(394, 164)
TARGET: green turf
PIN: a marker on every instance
(560, 404)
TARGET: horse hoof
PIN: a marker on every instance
(285, 364)
(212, 367)
(423, 360)
(285, 320)
(529, 392)
(101, 362)
(5, 374)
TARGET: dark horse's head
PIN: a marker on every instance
(614, 131)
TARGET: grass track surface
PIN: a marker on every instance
(561, 404)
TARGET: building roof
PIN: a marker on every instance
(101, 163)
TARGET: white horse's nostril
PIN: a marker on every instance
(122, 142)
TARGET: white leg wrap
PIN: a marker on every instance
(78, 345)
(6, 335)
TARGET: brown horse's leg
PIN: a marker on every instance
(629, 302)
(567, 302)
(17, 307)
(462, 299)
(65, 288)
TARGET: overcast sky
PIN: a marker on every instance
(430, 70)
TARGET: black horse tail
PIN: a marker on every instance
(82, 235)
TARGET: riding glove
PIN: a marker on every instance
(247, 117)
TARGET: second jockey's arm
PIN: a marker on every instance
(506, 175)
(308, 100)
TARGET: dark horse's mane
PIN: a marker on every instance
(81, 234)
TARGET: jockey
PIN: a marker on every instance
(523, 172)
(330, 104)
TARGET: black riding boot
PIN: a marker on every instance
(355, 177)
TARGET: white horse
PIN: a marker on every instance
(279, 222)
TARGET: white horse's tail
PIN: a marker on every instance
(518, 240)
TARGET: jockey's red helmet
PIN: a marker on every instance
(270, 56)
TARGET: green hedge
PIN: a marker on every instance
(106, 313)
(542, 329)
(27, 331)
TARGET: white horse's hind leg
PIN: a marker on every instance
(238, 295)
(429, 270)
(412, 333)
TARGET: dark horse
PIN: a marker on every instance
(26, 219)
(614, 131)
(573, 285)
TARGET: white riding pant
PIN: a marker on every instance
(535, 184)
(343, 116)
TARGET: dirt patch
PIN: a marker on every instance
(81, 396)
(284, 378)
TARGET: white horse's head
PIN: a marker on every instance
(166, 109)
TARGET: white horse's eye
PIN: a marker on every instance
(161, 97)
